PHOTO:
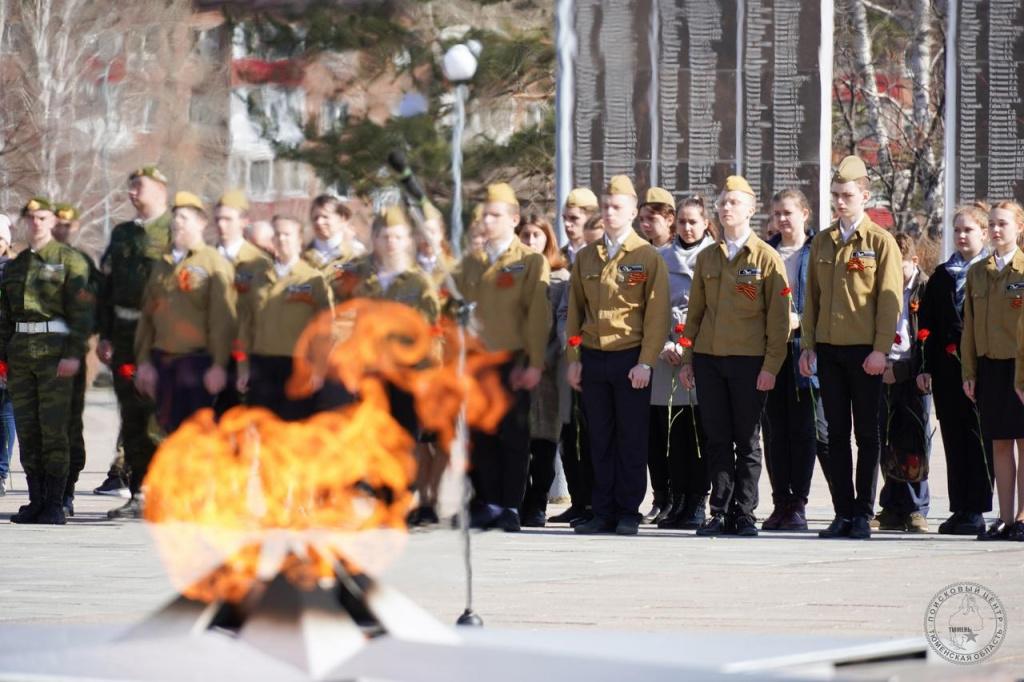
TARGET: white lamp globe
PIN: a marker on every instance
(459, 63)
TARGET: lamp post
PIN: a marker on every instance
(459, 66)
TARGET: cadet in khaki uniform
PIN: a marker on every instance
(276, 305)
(580, 206)
(433, 253)
(134, 247)
(333, 250)
(851, 309)
(231, 216)
(993, 302)
(67, 228)
(188, 322)
(738, 326)
(45, 323)
(509, 285)
(619, 304)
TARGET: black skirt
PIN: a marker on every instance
(1002, 413)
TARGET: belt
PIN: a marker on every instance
(56, 326)
(127, 314)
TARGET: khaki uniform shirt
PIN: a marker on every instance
(854, 289)
(620, 303)
(273, 311)
(49, 284)
(992, 312)
(189, 307)
(338, 268)
(740, 307)
(511, 297)
(412, 287)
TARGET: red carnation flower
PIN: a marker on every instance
(951, 349)
(685, 342)
(575, 341)
(126, 371)
(679, 328)
(923, 334)
(786, 292)
(898, 339)
(3, 369)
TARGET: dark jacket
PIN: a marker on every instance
(944, 321)
(798, 294)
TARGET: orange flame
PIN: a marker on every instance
(236, 502)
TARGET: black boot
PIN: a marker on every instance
(659, 503)
(672, 503)
(694, 515)
(53, 501)
(676, 513)
(29, 512)
(69, 505)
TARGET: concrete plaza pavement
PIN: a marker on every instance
(97, 571)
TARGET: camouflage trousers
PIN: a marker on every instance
(76, 435)
(42, 402)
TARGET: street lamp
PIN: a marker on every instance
(459, 66)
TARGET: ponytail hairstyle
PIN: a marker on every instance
(697, 200)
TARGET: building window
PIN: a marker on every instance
(293, 178)
(333, 113)
(261, 178)
(207, 44)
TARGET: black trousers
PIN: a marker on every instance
(657, 457)
(541, 475)
(903, 497)
(229, 397)
(137, 436)
(179, 391)
(579, 470)
(846, 389)
(795, 431)
(685, 457)
(617, 416)
(501, 460)
(268, 375)
(968, 454)
(730, 408)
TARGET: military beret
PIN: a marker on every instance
(660, 195)
(850, 169)
(151, 172)
(581, 197)
(188, 200)
(430, 212)
(234, 198)
(66, 212)
(502, 193)
(620, 184)
(394, 215)
(738, 183)
(37, 204)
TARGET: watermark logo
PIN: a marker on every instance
(965, 623)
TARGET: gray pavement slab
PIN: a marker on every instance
(94, 571)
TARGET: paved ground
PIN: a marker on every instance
(95, 571)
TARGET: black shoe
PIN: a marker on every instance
(695, 514)
(971, 523)
(997, 531)
(582, 519)
(28, 513)
(569, 515)
(69, 505)
(533, 519)
(839, 528)
(745, 528)
(596, 525)
(1016, 532)
(629, 526)
(860, 528)
(774, 520)
(53, 501)
(114, 486)
(3, 486)
(715, 525)
(132, 509)
(422, 516)
(659, 504)
(508, 521)
(482, 517)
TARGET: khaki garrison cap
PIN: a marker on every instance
(738, 183)
(581, 197)
(394, 215)
(188, 200)
(660, 195)
(478, 213)
(151, 172)
(234, 198)
(37, 204)
(620, 184)
(66, 212)
(430, 212)
(502, 193)
(850, 169)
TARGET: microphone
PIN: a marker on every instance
(398, 163)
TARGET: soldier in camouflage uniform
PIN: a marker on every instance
(65, 231)
(46, 321)
(134, 247)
